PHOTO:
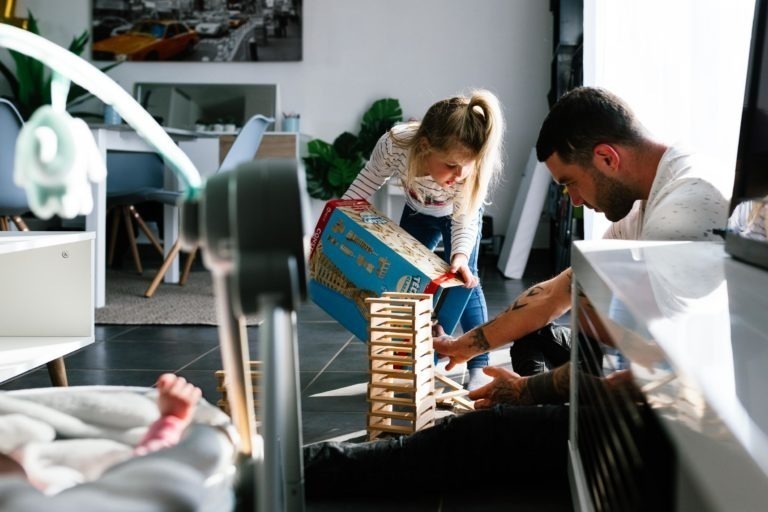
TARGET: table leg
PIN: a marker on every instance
(58, 372)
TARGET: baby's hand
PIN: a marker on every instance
(177, 397)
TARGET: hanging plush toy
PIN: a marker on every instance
(56, 161)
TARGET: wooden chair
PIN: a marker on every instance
(243, 149)
(134, 178)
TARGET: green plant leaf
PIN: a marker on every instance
(343, 172)
(382, 116)
(78, 94)
(331, 168)
(30, 77)
(384, 109)
(11, 79)
(346, 145)
(30, 83)
(78, 43)
(321, 149)
(316, 170)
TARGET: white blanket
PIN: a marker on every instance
(68, 436)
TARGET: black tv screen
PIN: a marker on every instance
(746, 241)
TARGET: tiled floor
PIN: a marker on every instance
(332, 376)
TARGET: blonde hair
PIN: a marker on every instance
(474, 122)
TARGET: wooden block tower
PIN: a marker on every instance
(221, 387)
(401, 390)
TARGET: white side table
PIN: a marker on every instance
(46, 308)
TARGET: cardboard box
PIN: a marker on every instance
(357, 252)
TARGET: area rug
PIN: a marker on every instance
(191, 304)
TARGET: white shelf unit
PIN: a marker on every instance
(46, 308)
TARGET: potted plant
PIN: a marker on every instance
(30, 84)
(331, 168)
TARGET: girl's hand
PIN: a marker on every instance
(459, 266)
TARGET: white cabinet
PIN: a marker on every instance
(46, 304)
(689, 324)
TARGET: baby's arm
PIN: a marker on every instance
(176, 401)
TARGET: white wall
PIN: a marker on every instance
(357, 51)
(684, 79)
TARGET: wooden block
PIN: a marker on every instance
(405, 402)
(409, 296)
(399, 415)
(395, 386)
(401, 364)
(464, 403)
(221, 378)
(450, 394)
(448, 381)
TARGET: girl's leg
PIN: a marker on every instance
(424, 228)
(476, 311)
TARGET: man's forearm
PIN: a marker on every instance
(552, 387)
(533, 309)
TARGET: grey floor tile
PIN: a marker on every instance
(137, 355)
(106, 332)
(353, 358)
(326, 332)
(324, 426)
(40, 379)
(316, 356)
(171, 333)
(337, 392)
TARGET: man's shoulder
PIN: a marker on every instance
(688, 200)
(683, 162)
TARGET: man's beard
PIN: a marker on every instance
(613, 198)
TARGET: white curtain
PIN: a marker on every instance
(680, 64)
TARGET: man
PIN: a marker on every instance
(592, 143)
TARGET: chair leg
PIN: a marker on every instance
(132, 238)
(113, 235)
(3, 223)
(58, 372)
(143, 226)
(187, 267)
(20, 223)
(163, 269)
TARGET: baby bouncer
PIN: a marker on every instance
(257, 267)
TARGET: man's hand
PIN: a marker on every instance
(507, 387)
(462, 349)
(460, 266)
(446, 345)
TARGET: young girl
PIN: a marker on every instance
(445, 164)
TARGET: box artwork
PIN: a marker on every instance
(357, 252)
